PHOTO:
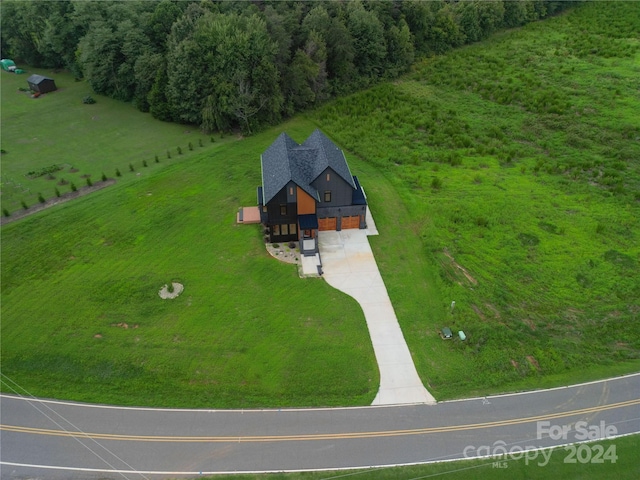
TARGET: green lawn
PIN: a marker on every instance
(519, 204)
(624, 467)
(246, 331)
(57, 129)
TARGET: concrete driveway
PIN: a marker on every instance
(348, 265)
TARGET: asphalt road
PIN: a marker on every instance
(49, 439)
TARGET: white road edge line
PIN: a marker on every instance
(315, 409)
(542, 390)
(338, 469)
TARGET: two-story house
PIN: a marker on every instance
(307, 188)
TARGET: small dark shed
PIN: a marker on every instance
(41, 84)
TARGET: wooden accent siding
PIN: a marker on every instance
(350, 222)
(306, 204)
(327, 223)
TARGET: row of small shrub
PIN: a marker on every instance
(58, 194)
(54, 168)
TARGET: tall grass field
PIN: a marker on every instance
(504, 176)
(517, 162)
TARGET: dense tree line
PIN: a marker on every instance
(223, 65)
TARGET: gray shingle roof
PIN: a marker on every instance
(329, 155)
(286, 161)
(37, 79)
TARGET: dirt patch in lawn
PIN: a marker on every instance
(478, 312)
(495, 311)
(177, 289)
(533, 362)
(123, 325)
(456, 267)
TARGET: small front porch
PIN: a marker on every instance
(309, 266)
(308, 246)
(308, 234)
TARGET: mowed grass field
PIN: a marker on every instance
(57, 129)
(526, 215)
(82, 319)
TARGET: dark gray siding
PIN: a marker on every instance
(341, 191)
(292, 192)
(276, 218)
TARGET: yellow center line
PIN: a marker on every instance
(318, 436)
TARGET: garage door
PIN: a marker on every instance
(350, 222)
(327, 223)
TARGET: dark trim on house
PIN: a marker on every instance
(307, 188)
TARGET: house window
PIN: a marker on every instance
(292, 229)
(276, 230)
(284, 229)
(307, 234)
(327, 196)
(283, 210)
(328, 177)
(291, 191)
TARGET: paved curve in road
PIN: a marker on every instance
(52, 439)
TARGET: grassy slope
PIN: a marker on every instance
(525, 169)
(245, 332)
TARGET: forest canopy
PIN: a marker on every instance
(238, 64)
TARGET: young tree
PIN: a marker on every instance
(145, 71)
(515, 13)
(400, 50)
(157, 97)
(316, 49)
(445, 33)
(280, 30)
(307, 80)
(368, 41)
(479, 19)
(339, 44)
(419, 17)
